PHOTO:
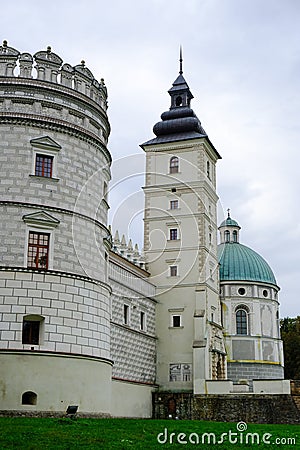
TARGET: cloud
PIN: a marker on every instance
(241, 60)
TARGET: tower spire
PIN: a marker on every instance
(180, 61)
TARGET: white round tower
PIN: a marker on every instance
(54, 300)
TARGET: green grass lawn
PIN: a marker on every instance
(46, 433)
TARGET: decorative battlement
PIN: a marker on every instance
(50, 67)
(127, 251)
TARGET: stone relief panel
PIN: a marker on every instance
(243, 349)
(180, 372)
(266, 320)
(268, 351)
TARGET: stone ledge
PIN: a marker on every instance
(51, 414)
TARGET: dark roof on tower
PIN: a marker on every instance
(180, 122)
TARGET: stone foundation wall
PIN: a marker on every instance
(226, 408)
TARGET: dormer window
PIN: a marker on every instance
(174, 164)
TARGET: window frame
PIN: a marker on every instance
(174, 204)
(40, 222)
(242, 323)
(45, 160)
(143, 321)
(39, 246)
(45, 146)
(33, 319)
(173, 234)
(208, 170)
(126, 314)
(173, 316)
(174, 164)
(31, 332)
(173, 271)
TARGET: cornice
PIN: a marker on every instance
(55, 209)
(54, 124)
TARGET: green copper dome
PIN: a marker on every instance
(229, 222)
(241, 263)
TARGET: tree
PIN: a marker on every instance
(290, 334)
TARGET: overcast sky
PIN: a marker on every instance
(242, 63)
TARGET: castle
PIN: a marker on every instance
(88, 320)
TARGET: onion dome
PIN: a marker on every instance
(180, 122)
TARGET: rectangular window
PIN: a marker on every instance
(43, 165)
(173, 234)
(31, 332)
(176, 321)
(174, 164)
(105, 191)
(126, 314)
(173, 271)
(174, 204)
(38, 250)
(143, 321)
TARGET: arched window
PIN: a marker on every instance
(227, 236)
(241, 318)
(29, 398)
(234, 235)
(174, 164)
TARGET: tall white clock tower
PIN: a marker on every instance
(180, 242)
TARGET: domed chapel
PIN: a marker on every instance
(86, 318)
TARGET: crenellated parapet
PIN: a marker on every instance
(50, 67)
(42, 90)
